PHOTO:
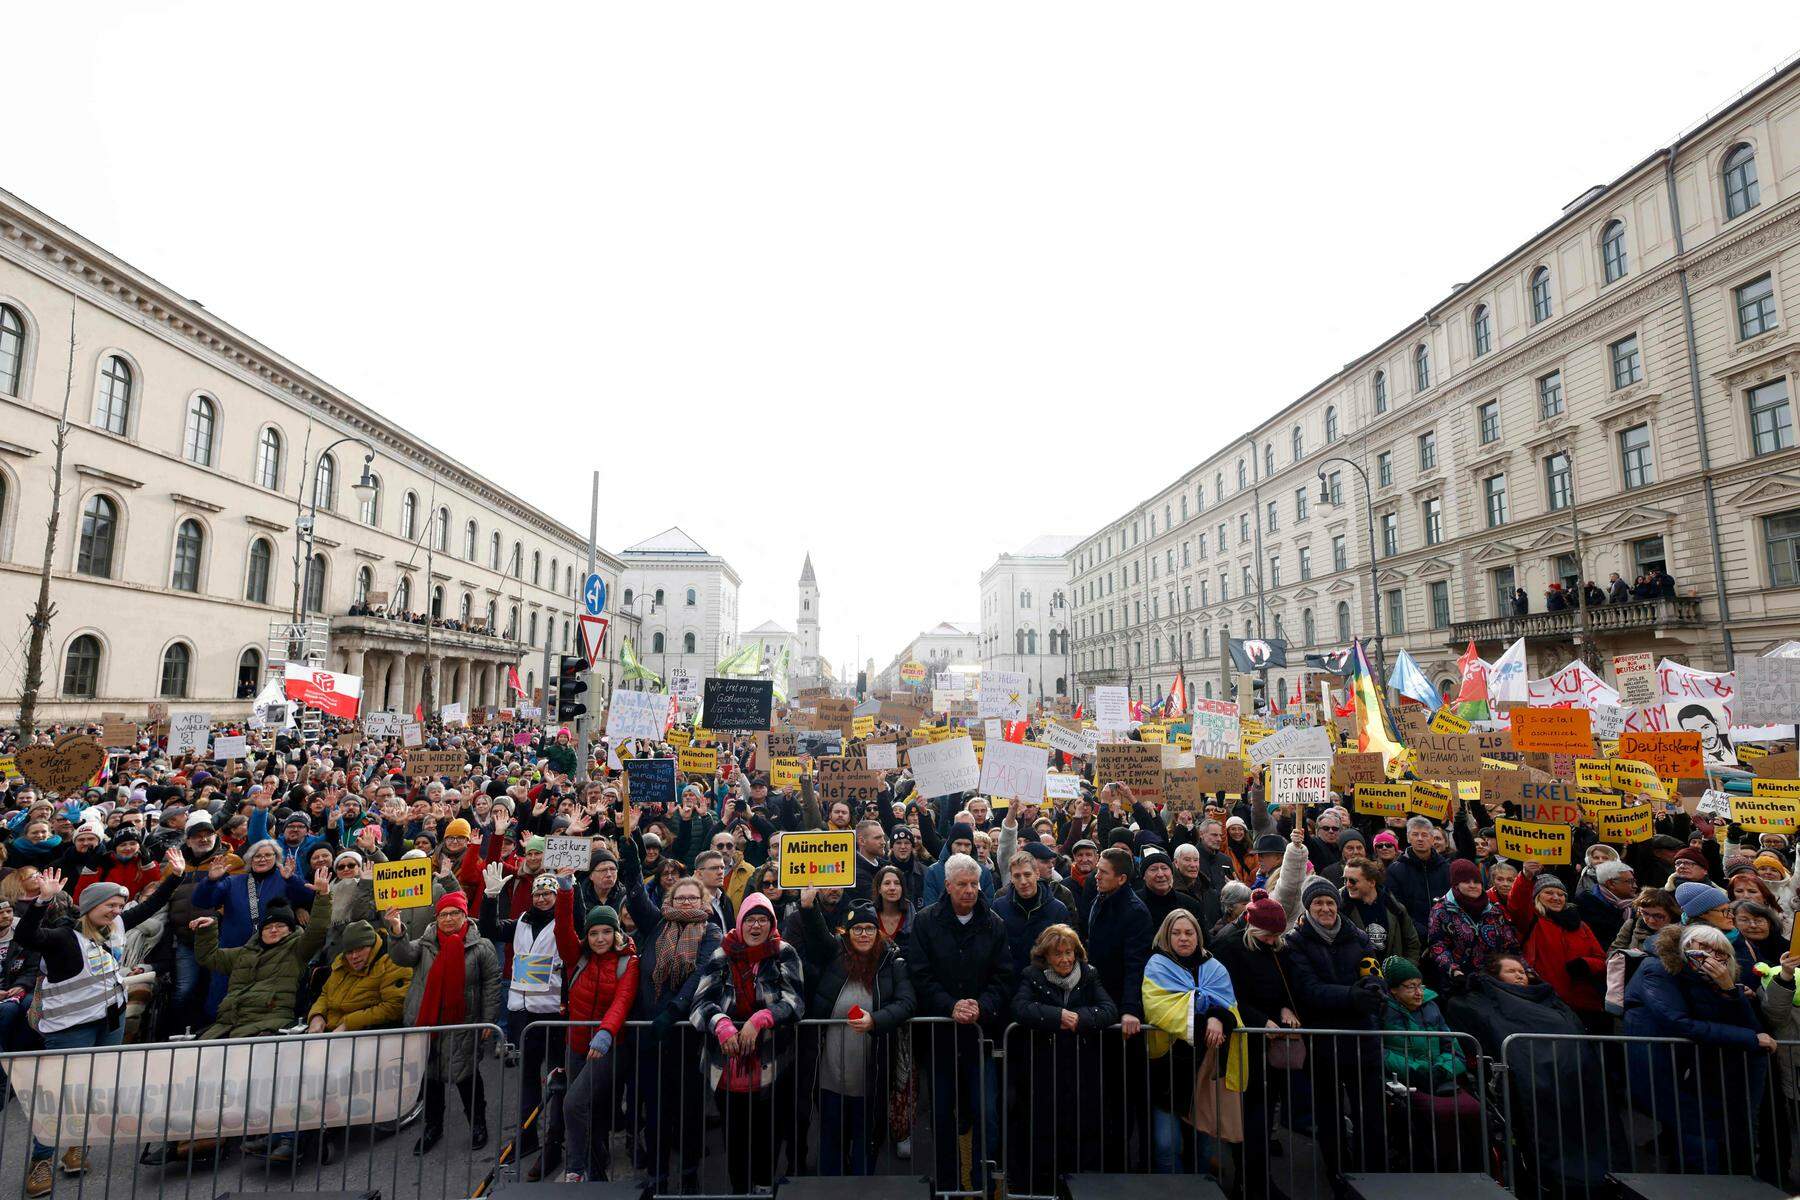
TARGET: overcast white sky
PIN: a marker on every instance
(903, 284)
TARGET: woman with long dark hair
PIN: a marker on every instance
(868, 988)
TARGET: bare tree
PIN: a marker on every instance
(43, 611)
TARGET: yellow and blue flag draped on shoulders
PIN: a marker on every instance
(1171, 997)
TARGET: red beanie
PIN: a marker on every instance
(455, 900)
(1463, 871)
(1264, 913)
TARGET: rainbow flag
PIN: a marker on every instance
(1372, 732)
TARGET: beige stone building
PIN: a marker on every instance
(195, 457)
(1615, 395)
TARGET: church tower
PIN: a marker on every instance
(807, 623)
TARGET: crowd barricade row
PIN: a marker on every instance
(1272, 1113)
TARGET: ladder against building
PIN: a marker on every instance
(305, 642)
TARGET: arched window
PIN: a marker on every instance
(325, 482)
(256, 580)
(512, 623)
(175, 663)
(99, 526)
(365, 582)
(471, 540)
(249, 674)
(1242, 478)
(1481, 329)
(693, 598)
(1031, 641)
(81, 668)
(114, 411)
(1343, 620)
(1331, 424)
(1741, 192)
(658, 601)
(1018, 641)
(1612, 250)
(516, 564)
(494, 551)
(202, 420)
(402, 602)
(268, 459)
(1540, 295)
(437, 602)
(440, 536)
(1297, 443)
(493, 616)
(1380, 389)
(656, 643)
(1421, 367)
(628, 598)
(537, 568)
(534, 623)
(368, 511)
(468, 605)
(189, 540)
(409, 516)
(553, 575)
(12, 349)
(314, 593)
(1308, 635)
(1269, 459)
(687, 643)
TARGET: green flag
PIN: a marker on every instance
(633, 668)
(780, 677)
(744, 662)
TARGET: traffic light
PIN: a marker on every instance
(570, 684)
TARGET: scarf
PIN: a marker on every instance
(1065, 982)
(677, 949)
(444, 1002)
(1568, 920)
(1479, 904)
(1330, 935)
(744, 960)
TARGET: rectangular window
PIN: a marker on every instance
(1390, 534)
(1244, 528)
(1564, 570)
(1647, 553)
(1493, 490)
(1274, 518)
(1334, 487)
(1627, 366)
(1771, 418)
(1428, 450)
(1187, 554)
(1339, 558)
(1635, 456)
(1201, 541)
(1224, 587)
(1221, 537)
(1384, 469)
(1396, 611)
(1274, 570)
(1490, 421)
(1504, 586)
(1305, 563)
(1755, 307)
(1550, 396)
(1249, 580)
(1434, 521)
(1440, 604)
(1559, 488)
(1299, 504)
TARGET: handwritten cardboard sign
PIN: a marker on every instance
(63, 768)
(845, 779)
(1671, 753)
(1553, 730)
(430, 763)
(1013, 771)
(1447, 756)
(560, 852)
(1138, 765)
(1356, 766)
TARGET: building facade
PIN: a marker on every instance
(1615, 396)
(212, 488)
(1025, 614)
(686, 598)
(945, 645)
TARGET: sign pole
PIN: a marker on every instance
(584, 724)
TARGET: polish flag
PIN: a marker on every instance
(327, 691)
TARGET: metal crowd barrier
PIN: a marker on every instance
(1302, 1107)
(914, 1102)
(1578, 1108)
(303, 1112)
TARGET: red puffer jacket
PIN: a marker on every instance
(1549, 948)
(603, 987)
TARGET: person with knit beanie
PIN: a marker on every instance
(602, 988)
(1467, 928)
(1420, 1052)
(1560, 947)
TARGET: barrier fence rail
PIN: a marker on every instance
(1271, 1113)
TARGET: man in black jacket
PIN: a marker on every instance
(962, 969)
(1119, 933)
(1161, 896)
(1419, 877)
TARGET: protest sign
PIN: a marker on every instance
(1629, 775)
(453, 714)
(1447, 756)
(189, 733)
(906, 716)
(652, 780)
(882, 756)
(412, 734)
(228, 748)
(1112, 710)
(560, 852)
(1431, 798)
(697, 760)
(1445, 721)
(403, 883)
(1014, 771)
(741, 705)
(1181, 790)
(1354, 767)
(1526, 841)
(383, 724)
(1217, 729)
(1777, 764)
(1062, 738)
(862, 727)
(835, 712)
(66, 767)
(1768, 691)
(1003, 695)
(1635, 676)
(1553, 730)
(1383, 799)
(1135, 764)
(1062, 787)
(1295, 741)
(119, 735)
(1214, 775)
(944, 768)
(1773, 806)
(846, 779)
(825, 858)
(679, 738)
(430, 763)
(1672, 753)
(785, 772)
(637, 715)
(817, 742)
(1300, 780)
(1593, 773)
(1627, 826)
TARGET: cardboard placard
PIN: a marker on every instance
(1300, 780)
(432, 763)
(637, 715)
(1214, 775)
(1136, 764)
(824, 858)
(906, 716)
(1635, 677)
(190, 733)
(882, 756)
(744, 705)
(1062, 787)
(1672, 754)
(1553, 730)
(119, 735)
(1181, 790)
(1447, 756)
(226, 749)
(1526, 841)
(1217, 728)
(1013, 771)
(412, 734)
(1356, 766)
(63, 768)
(560, 852)
(839, 778)
(403, 883)
(1065, 739)
(1779, 764)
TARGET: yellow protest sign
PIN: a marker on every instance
(1773, 806)
(1626, 826)
(1445, 721)
(1595, 804)
(697, 760)
(786, 772)
(862, 727)
(405, 883)
(1640, 779)
(679, 738)
(1431, 799)
(1750, 751)
(826, 858)
(1532, 841)
(1184, 741)
(9, 767)
(1593, 773)
(1468, 790)
(1383, 799)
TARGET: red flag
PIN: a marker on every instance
(1474, 676)
(1078, 711)
(419, 712)
(1176, 708)
(512, 681)
(1013, 731)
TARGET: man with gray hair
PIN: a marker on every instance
(961, 968)
(1420, 876)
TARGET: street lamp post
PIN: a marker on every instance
(1325, 497)
(305, 519)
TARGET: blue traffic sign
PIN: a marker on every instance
(593, 594)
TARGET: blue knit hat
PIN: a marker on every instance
(1698, 899)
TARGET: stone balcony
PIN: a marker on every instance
(1654, 618)
(384, 632)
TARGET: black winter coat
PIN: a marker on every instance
(1118, 940)
(951, 960)
(1327, 978)
(1026, 919)
(1419, 885)
(1259, 976)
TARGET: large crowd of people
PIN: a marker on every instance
(1139, 968)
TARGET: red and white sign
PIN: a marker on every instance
(327, 691)
(593, 631)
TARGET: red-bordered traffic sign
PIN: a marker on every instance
(593, 632)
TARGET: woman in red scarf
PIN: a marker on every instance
(747, 1001)
(456, 981)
